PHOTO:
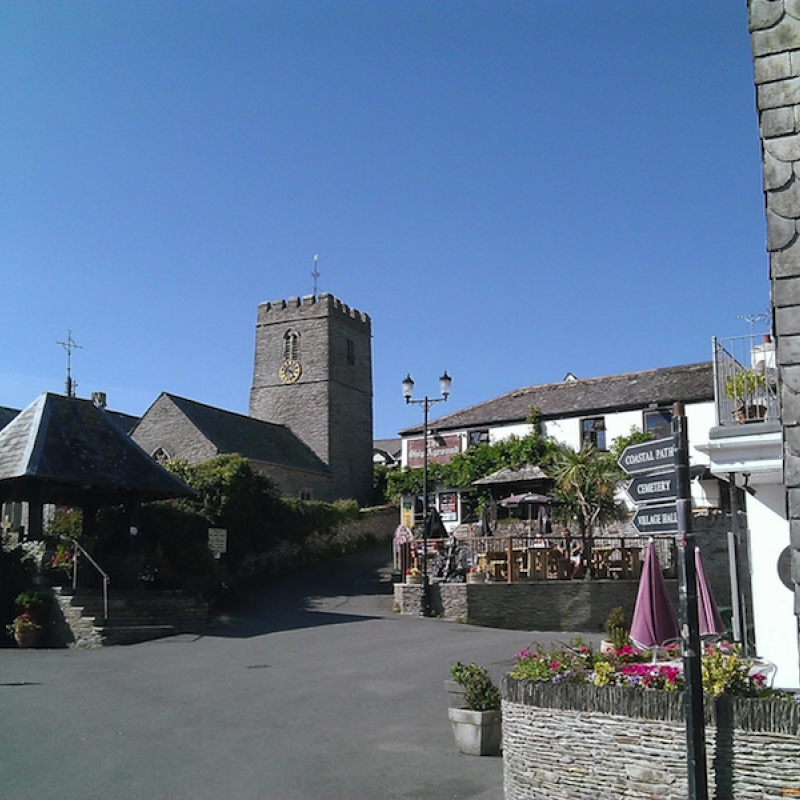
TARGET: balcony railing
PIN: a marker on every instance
(745, 380)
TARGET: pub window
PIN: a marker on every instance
(593, 432)
(478, 437)
(657, 422)
(291, 346)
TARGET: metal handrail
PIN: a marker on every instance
(106, 580)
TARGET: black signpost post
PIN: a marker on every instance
(690, 624)
(661, 474)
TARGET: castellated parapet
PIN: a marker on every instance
(311, 304)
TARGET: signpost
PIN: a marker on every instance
(650, 520)
(660, 471)
(638, 459)
(218, 541)
(653, 488)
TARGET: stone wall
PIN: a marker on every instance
(541, 606)
(775, 40)
(570, 742)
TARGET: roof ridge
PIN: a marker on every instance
(218, 410)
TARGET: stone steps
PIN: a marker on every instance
(133, 616)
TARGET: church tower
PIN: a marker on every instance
(313, 373)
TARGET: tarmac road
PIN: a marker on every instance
(316, 690)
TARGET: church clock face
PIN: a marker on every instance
(289, 371)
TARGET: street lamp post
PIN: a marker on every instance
(408, 390)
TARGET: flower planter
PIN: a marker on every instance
(477, 733)
(476, 577)
(414, 580)
(456, 694)
(751, 412)
(28, 638)
(641, 733)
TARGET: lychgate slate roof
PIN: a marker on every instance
(254, 439)
(690, 383)
(66, 450)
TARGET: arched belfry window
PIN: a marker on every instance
(161, 456)
(291, 346)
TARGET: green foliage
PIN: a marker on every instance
(267, 532)
(636, 436)
(15, 574)
(477, 462)
(726, 672)
(66, 523)
(481, 693)
(743, 384)
(34, 602)
(616, 626)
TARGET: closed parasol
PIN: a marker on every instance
(654, 621)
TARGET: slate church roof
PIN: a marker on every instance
(64, 449)
(6, 415)
(230, 432)
(690, 383)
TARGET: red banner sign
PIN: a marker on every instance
(440, 450)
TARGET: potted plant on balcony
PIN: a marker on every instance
(477, 728)
(745, 387)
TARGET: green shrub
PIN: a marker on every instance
(481, 694)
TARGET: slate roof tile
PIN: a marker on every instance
(690, 383)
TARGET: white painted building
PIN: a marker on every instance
(574, 411)
(746, 447)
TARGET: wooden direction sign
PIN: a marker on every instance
(656, 519)
(654, 488)
(638, 459)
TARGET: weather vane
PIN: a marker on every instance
(315, 275)
(69, 346)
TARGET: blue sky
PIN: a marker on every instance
(511, 190)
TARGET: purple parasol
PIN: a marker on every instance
(711, 623)
(654, 622)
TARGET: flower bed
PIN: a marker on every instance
(577, 723)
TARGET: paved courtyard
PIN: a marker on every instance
(317, 689)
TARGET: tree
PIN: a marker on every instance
(585, 491)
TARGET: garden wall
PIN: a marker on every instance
(541, 606)
(568, 741)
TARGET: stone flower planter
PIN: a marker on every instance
(477, 733)
(456, 694)
(414, 580)
(751, 743)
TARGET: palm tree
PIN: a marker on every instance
(585, 490)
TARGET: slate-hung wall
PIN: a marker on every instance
(329, 405)
(775, 39)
